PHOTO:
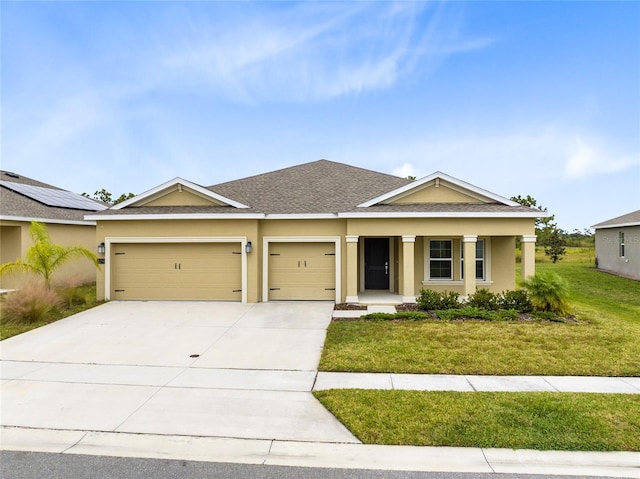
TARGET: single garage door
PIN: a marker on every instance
(302, 271)
(177, 271)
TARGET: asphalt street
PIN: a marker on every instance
(37, 465)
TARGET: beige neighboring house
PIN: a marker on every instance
(23, 200)
(618, 245)
(317, 231)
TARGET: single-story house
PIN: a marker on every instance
(316, 231)
(23, 200)
(618, 245)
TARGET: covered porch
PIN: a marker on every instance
(393, 269)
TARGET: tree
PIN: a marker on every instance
(106, 197)
(44, 257)
(555, 245)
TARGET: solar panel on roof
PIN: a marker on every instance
(51, 197)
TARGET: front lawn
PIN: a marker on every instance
(601, 341)
(542, 421)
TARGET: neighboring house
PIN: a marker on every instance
(23, 200)
(317, 231)
(618, 245)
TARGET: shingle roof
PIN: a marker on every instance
(318, 187)
(15, 205)
(630, 219)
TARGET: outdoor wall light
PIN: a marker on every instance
(248, 247)
(101, 248)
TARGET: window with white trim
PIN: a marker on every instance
(440, 259)
(621, 243)
(480, 270)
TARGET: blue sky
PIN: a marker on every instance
(529, 98)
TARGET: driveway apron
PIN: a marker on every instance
(181, 368)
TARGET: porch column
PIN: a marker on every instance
(469, 245)
(352, 269)
(408, 275)
(528, 248)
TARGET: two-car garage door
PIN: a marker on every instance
(176, 271)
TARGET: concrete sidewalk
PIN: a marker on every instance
(318, 454)
(445, 382)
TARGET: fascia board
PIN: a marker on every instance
(404, 190)
(168, 216)
(50, 221)
(178, 181)
(441, 214)
(301, 216)
(617, 225)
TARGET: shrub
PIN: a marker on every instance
(428, 300)
(29, 305)
(516, 299)
(449, 300)
(548, 293)
(483, 298)
(71, 292)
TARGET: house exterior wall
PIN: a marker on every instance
(15, 240)
(498, 233)
(608, 251)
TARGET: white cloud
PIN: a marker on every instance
(588, 159)
(312, 52)
(406, 170)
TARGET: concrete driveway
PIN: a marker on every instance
(177, 368)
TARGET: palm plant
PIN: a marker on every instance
(548, 292)
(44, 257)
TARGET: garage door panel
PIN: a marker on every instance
(177, 271)
(302, 271)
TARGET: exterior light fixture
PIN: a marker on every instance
(248, 247)
(101, 248)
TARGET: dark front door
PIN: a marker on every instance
(376, 263)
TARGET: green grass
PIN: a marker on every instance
(602, 341)
(542, 421)
(8, 330)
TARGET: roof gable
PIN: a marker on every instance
(178, 192)
(438, 188)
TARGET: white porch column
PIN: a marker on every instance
(469, 251)
(528, 248)
(352, 269)
(408, 275)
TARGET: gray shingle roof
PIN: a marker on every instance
(13, 204)
(630, 219)
(318, 187)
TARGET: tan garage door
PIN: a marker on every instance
(302, 271)
(177, 271)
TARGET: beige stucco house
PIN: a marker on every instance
(317, 231)
(618, 245)
(23, 200)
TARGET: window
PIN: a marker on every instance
(440, 259)
(479, 260)
(621, 242)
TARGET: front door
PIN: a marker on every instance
(376, 263)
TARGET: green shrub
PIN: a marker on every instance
(72, 292)
(409, 315)
(29, 305)
(517, 299)
(548, 292)
(428, 300)
(483, 298)
(449, 300)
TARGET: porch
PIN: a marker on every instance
(393, 269)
